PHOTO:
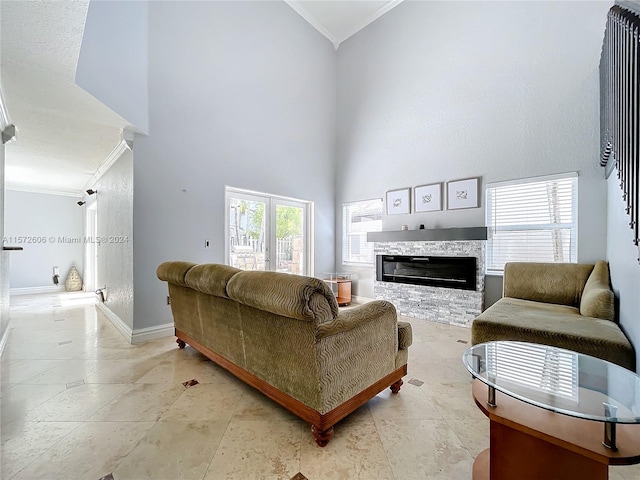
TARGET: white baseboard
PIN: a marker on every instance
(35, 290)
(360, 300)
(136, 336)
(151, 333)
(116, 321)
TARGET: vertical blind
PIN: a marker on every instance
(532, 220)
(620, 107)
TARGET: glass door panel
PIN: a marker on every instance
(248, 233)
(290, 241)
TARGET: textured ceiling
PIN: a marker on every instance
(63, 132)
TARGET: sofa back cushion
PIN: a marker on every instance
(295, 296)
(560, 283)
(211, 278)
(597, 297)
(174, 272)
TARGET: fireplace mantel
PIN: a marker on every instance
(429, 235)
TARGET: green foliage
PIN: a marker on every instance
(255, 219)
(249, 219)
(288, 221)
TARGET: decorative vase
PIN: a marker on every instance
(73, 283)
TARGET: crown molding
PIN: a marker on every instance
(16, 187)
(370, 19)
(298, 6)
(300, 10)
(6, 128)
(125, 143)
(4, 114)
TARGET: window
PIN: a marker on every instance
(533, 220)
(268, 232)
(358, 218)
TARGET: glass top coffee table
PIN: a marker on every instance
(549, 400)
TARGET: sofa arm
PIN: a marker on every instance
(597, 297)
(357, 316)
(405, 335)
(559, 283)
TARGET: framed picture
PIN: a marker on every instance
(427, 198)
(398, 201)
(462, 193)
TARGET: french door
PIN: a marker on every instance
(267, 232)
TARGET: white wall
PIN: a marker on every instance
(55, 224)
(439, 91)
(114, 199)
(112, 65)
(240, 94)
(624, 266)
(4, 255)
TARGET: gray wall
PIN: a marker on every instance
(438, 91)
(112, 65)
(240, 94)
(115, 227)
(623, 255)
(55, 218)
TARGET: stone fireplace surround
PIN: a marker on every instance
(438, 304)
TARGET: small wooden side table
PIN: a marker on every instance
(340, 284)
(530, 443)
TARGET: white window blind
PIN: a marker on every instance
(532, 220)
(537, 366)
(358, 218)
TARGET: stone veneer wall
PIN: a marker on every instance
(444, 305)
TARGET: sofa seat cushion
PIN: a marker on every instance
(557, 325)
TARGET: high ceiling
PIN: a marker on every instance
(64, 133)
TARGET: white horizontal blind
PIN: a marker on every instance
(533, 220)
(539, 367)
(358, 218)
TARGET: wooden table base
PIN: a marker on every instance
(530, 443)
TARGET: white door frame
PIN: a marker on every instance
(271, 202)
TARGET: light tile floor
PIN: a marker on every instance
(79, 402)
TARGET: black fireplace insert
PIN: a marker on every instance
(448, 272)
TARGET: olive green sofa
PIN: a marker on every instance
(566, 305)
(284, 335)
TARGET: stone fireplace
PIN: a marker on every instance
(437, 301)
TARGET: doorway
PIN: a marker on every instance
(91, 248)
(268, 232)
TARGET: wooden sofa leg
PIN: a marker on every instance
(180, 343)
(322, 438)
(395, 387)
